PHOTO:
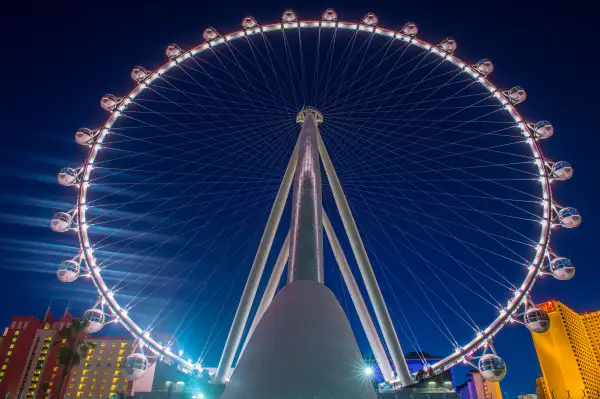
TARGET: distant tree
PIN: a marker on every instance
(71, 349)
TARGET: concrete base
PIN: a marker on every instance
(303, 348)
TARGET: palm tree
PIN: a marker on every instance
(71, 349)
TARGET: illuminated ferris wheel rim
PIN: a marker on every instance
(482, 339)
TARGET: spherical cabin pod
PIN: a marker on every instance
(85, 136)
(492, 367)
(173, 51)
(109, 102)
(210, 34)
(94, 320)
(61, 222)
(484, 67)
(448, 45)
(410, 29)
(68, 271)
(68, 177)
(516, 95)
(136, 365)
(249, 23)
(536, 320)
(562, 170)
(543, 129)
(139, 73)
(562, 268)
(370, 19)
(329, 15)
(289, 16)
(569, 217)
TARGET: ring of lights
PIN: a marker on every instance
(461, 354)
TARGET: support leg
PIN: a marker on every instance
(366, 270)
(358, 301)
(271, 288)
(258, 266)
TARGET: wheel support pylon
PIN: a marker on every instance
(366, 270)
(306, 253)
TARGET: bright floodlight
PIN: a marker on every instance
(368, 371)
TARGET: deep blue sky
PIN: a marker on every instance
(60, 57)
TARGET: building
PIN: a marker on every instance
(29, 350)
(528, 396)
(100, 374)
(18, 340)
(41, 376)
(170, 383)
(478, 388)
(28, 363)
(569, 352)
(541, 389)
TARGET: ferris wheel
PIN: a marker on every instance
(436, 179)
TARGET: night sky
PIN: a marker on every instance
(60, 58)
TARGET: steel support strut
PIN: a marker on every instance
(359, 302)
(258, 266)
(366, 270)
(271, 289)
(306, 232)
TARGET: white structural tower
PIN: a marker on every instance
(305, 243)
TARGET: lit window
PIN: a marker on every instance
(115, 380)
(4, 367)
(71, 386)
(17, 332)
(11, 346)
(102, 350)
(8, 353)
(51, 383)
(1, 373)
(14, 340)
